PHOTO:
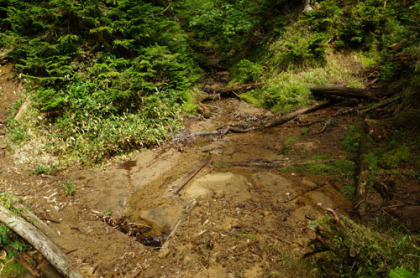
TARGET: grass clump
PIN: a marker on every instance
(13, 269)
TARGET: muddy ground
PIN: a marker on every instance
(231, 207)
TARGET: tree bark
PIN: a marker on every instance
(40, 242)
(32, 218)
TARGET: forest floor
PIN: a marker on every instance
(243, 200)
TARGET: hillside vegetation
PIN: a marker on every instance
(105, 77)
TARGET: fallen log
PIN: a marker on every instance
(32, 218)
(40, 242)
(235, 89)
(235, 129)
(291, 116)
(338, 91)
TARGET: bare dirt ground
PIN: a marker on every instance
(232, 210)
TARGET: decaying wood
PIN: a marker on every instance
(362, 176)
(291, 116)
(338, 91)
(235, 89)
(41, 243)
(190, 177)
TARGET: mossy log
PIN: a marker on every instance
(40, 242)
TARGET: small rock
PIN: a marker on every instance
(308, 183)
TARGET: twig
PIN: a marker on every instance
(192, 205)
(193, 175)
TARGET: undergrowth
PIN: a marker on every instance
(357, 251)
(104, 77)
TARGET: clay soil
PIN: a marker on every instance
(239, 211)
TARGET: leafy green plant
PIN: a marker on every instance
(101, 63)
(304, 131)
(13, 269)
(46, 169)
(356, 251)
(402, 273)
(106, 212)
(351, 141)
(68, 187)
(247, 71)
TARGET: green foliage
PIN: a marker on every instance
(284, 96)
(46, 169)
(304, 131)
(340, 167)
(300, 49)
(351, 141)
(99, 68)
(356, 251)
(15, 132)
(402, 273)
(247, 71)
(13, 269)
(68, 187)
(9, 240)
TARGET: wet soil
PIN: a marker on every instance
(231, 207)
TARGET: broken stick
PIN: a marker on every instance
(186, 181)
